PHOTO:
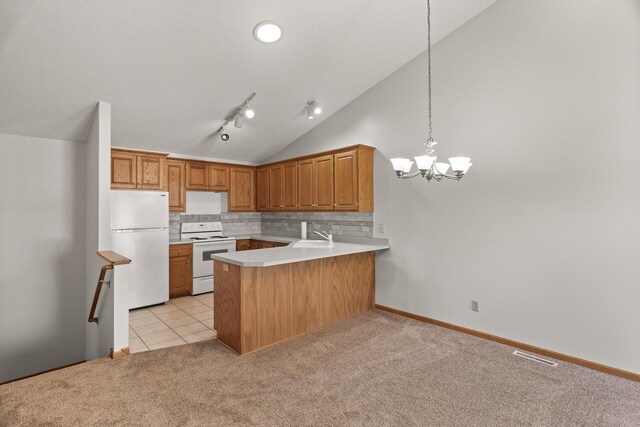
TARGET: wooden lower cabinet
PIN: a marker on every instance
(250, 244)
(243, 244)
(180, 270)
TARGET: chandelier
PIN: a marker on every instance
(427, 164)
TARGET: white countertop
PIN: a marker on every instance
(288, 254)
(180, 241)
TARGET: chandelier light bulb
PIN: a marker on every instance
(460, 164)
(249, 113)
(400, 164)
(424, 162)
(408, 166)
(441, 168)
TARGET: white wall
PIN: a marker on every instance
(545, 97)
(98, 234)
(42, 220)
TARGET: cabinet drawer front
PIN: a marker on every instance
(180, 250)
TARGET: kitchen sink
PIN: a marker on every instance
(312, 244)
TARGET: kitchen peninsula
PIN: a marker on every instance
(269, 295)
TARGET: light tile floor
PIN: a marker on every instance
(180, 321)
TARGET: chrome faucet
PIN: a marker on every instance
(325, 236)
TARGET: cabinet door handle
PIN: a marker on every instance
(179, 252)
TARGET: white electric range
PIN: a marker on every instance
(207, 240)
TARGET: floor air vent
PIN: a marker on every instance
(535, 358)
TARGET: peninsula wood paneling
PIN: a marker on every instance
(266, 306)
(283, 301)
(226, 316)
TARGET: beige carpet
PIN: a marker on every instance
(374, 369)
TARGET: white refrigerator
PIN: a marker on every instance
(140, 231)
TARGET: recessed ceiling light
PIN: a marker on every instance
(267, 32)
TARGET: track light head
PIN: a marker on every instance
(239, 119)
(224, 135)
(313, 109)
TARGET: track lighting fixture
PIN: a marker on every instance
(237, 116)
(313, 109)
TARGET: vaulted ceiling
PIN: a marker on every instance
(173, 70)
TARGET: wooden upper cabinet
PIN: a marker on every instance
(263, 189)
(196, 176)
(137, 170)
(305, 185)
(124, 168)
(151, 172)
(323, 180)
(218, 177)
(276, 188)
(242, 190)
(346, 181)
(365, 179)
(176, 185)
(290, 185)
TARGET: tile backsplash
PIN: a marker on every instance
(352, 224)
(232, 223)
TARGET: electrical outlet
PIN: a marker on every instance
(381, 228)
(475, 305)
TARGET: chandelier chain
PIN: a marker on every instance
(430, 139)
